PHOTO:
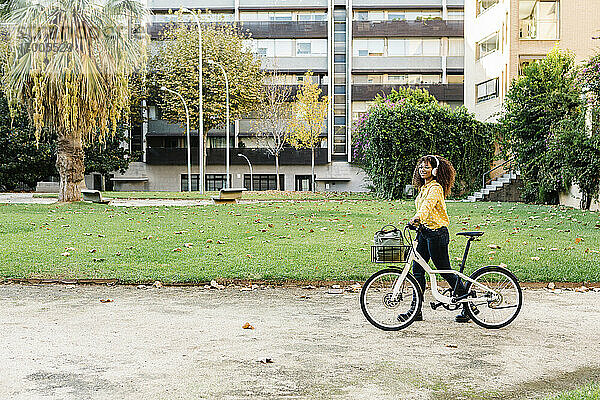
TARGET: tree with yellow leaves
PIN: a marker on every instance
(309, 112)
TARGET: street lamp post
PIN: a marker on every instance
(249, 165)
(200, 108)
(227, 118)
(187, 115)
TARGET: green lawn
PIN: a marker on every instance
(317, 240)
(588, 392)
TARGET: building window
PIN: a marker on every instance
(311, 47)
(483, 5)
(214, 182)
(486, 90)
(538, 19)
(456, 47)
(396, 15)
(195, 182)
(369, 47)
(264, 181)
(303, 183)
(413, 47)
(456, 15)
(487, 46)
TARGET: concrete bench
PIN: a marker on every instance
(94, 196)
(230, 195)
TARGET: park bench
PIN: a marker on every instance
(230, 195)
(94, 196)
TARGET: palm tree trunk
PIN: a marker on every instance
(277, 170)
(312, 165)
(70, 166)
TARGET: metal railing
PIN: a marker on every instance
(510, 161)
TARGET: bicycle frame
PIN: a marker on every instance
(415, 256)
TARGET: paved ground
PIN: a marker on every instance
(24, 198)
(61, 342)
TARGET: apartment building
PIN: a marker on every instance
(356, 50)
(502, 36)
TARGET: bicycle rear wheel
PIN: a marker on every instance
(498, 306)
(382, 308)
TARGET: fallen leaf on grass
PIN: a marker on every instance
(535, 259)
(247, 326)
(220, 242)
(101, 236)
(493, 246)
(98, 259)
(178, 249)
(578, 240)
(92, 250)
(65, 254)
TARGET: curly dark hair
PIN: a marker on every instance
(445, 173)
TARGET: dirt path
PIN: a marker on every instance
(61, 342)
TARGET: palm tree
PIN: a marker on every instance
(70, 64)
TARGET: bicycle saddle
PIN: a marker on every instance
(470, 234)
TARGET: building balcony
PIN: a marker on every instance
(285, 29)
(289, 156)
(383, 4)
(442, 92)
(296, 64)
(382, 65)
(427, 28)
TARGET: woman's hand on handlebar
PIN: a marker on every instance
(414, 223)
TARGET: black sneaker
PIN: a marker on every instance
(462, 317)
(405, 316)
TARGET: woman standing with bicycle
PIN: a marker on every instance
(434, 177)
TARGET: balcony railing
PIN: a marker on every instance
(402, 28)
(442, 92)
(289, 156)
(265, 29)
(286, 29)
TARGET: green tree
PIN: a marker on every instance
(72, 74)
(22, 160)
(396, 131)
(547, 93)
(175, 66)
(309, 112)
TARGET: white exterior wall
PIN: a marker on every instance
(488, 67)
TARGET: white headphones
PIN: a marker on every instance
(437, 164)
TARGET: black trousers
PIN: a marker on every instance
(433, 244)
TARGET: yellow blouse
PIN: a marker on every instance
(431, 206)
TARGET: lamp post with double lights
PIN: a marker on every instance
(227, 118)
(249, 165)
(187, 125)
(200, 109)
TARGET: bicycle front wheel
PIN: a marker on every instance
(389, 304)
(497, 297)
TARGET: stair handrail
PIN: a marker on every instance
(510, 160)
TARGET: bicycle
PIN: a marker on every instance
(391, 297)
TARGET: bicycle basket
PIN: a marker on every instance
(389, 246)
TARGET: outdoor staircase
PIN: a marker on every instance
(503, 188)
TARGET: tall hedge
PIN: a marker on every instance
(398, 130)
